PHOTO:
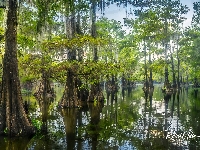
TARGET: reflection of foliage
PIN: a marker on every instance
(48, 141)
(187, 108)
(115, 127)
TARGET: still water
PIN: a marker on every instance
(125, 121)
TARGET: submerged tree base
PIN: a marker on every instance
(75, 92)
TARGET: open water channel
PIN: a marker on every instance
(125, 121)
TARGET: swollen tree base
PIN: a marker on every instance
(70, 95)
(13, 119)
(96, 93)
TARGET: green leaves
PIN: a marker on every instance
(196, 15)
(1, 34)
(37, 124)
(190, 51)
(78, 41)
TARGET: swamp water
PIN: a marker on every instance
(125, 121)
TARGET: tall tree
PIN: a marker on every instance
(95, 92)
(169, 14)
(13, 119)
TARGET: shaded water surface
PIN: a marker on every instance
(126, 120)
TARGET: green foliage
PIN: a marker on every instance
(25, 42)
(91, 72)
(196, 15)
(29, 67)
(1, 34)
(149, 24)
(190, 51)
(76, 42)
(158, 66)
(5, 130)
(37, 124)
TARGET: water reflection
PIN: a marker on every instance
(94, 126)
(128, 119)
(70, 121)
(13, 143)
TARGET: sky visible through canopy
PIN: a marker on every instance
(118, 13)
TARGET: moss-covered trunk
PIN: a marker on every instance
(13, 119)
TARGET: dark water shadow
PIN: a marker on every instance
(16, 143)
(94, 126)
(70, 121)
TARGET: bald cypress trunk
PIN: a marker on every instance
(94, 29)
(96, 91)
(13, 119)
(70, 96)
(166, 84)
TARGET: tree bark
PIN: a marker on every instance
(13, 119)
(96, 91)
(173, 71)
(93, 29)
(70, 95)
(178, 76)
(166, 85)
(151, 87)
